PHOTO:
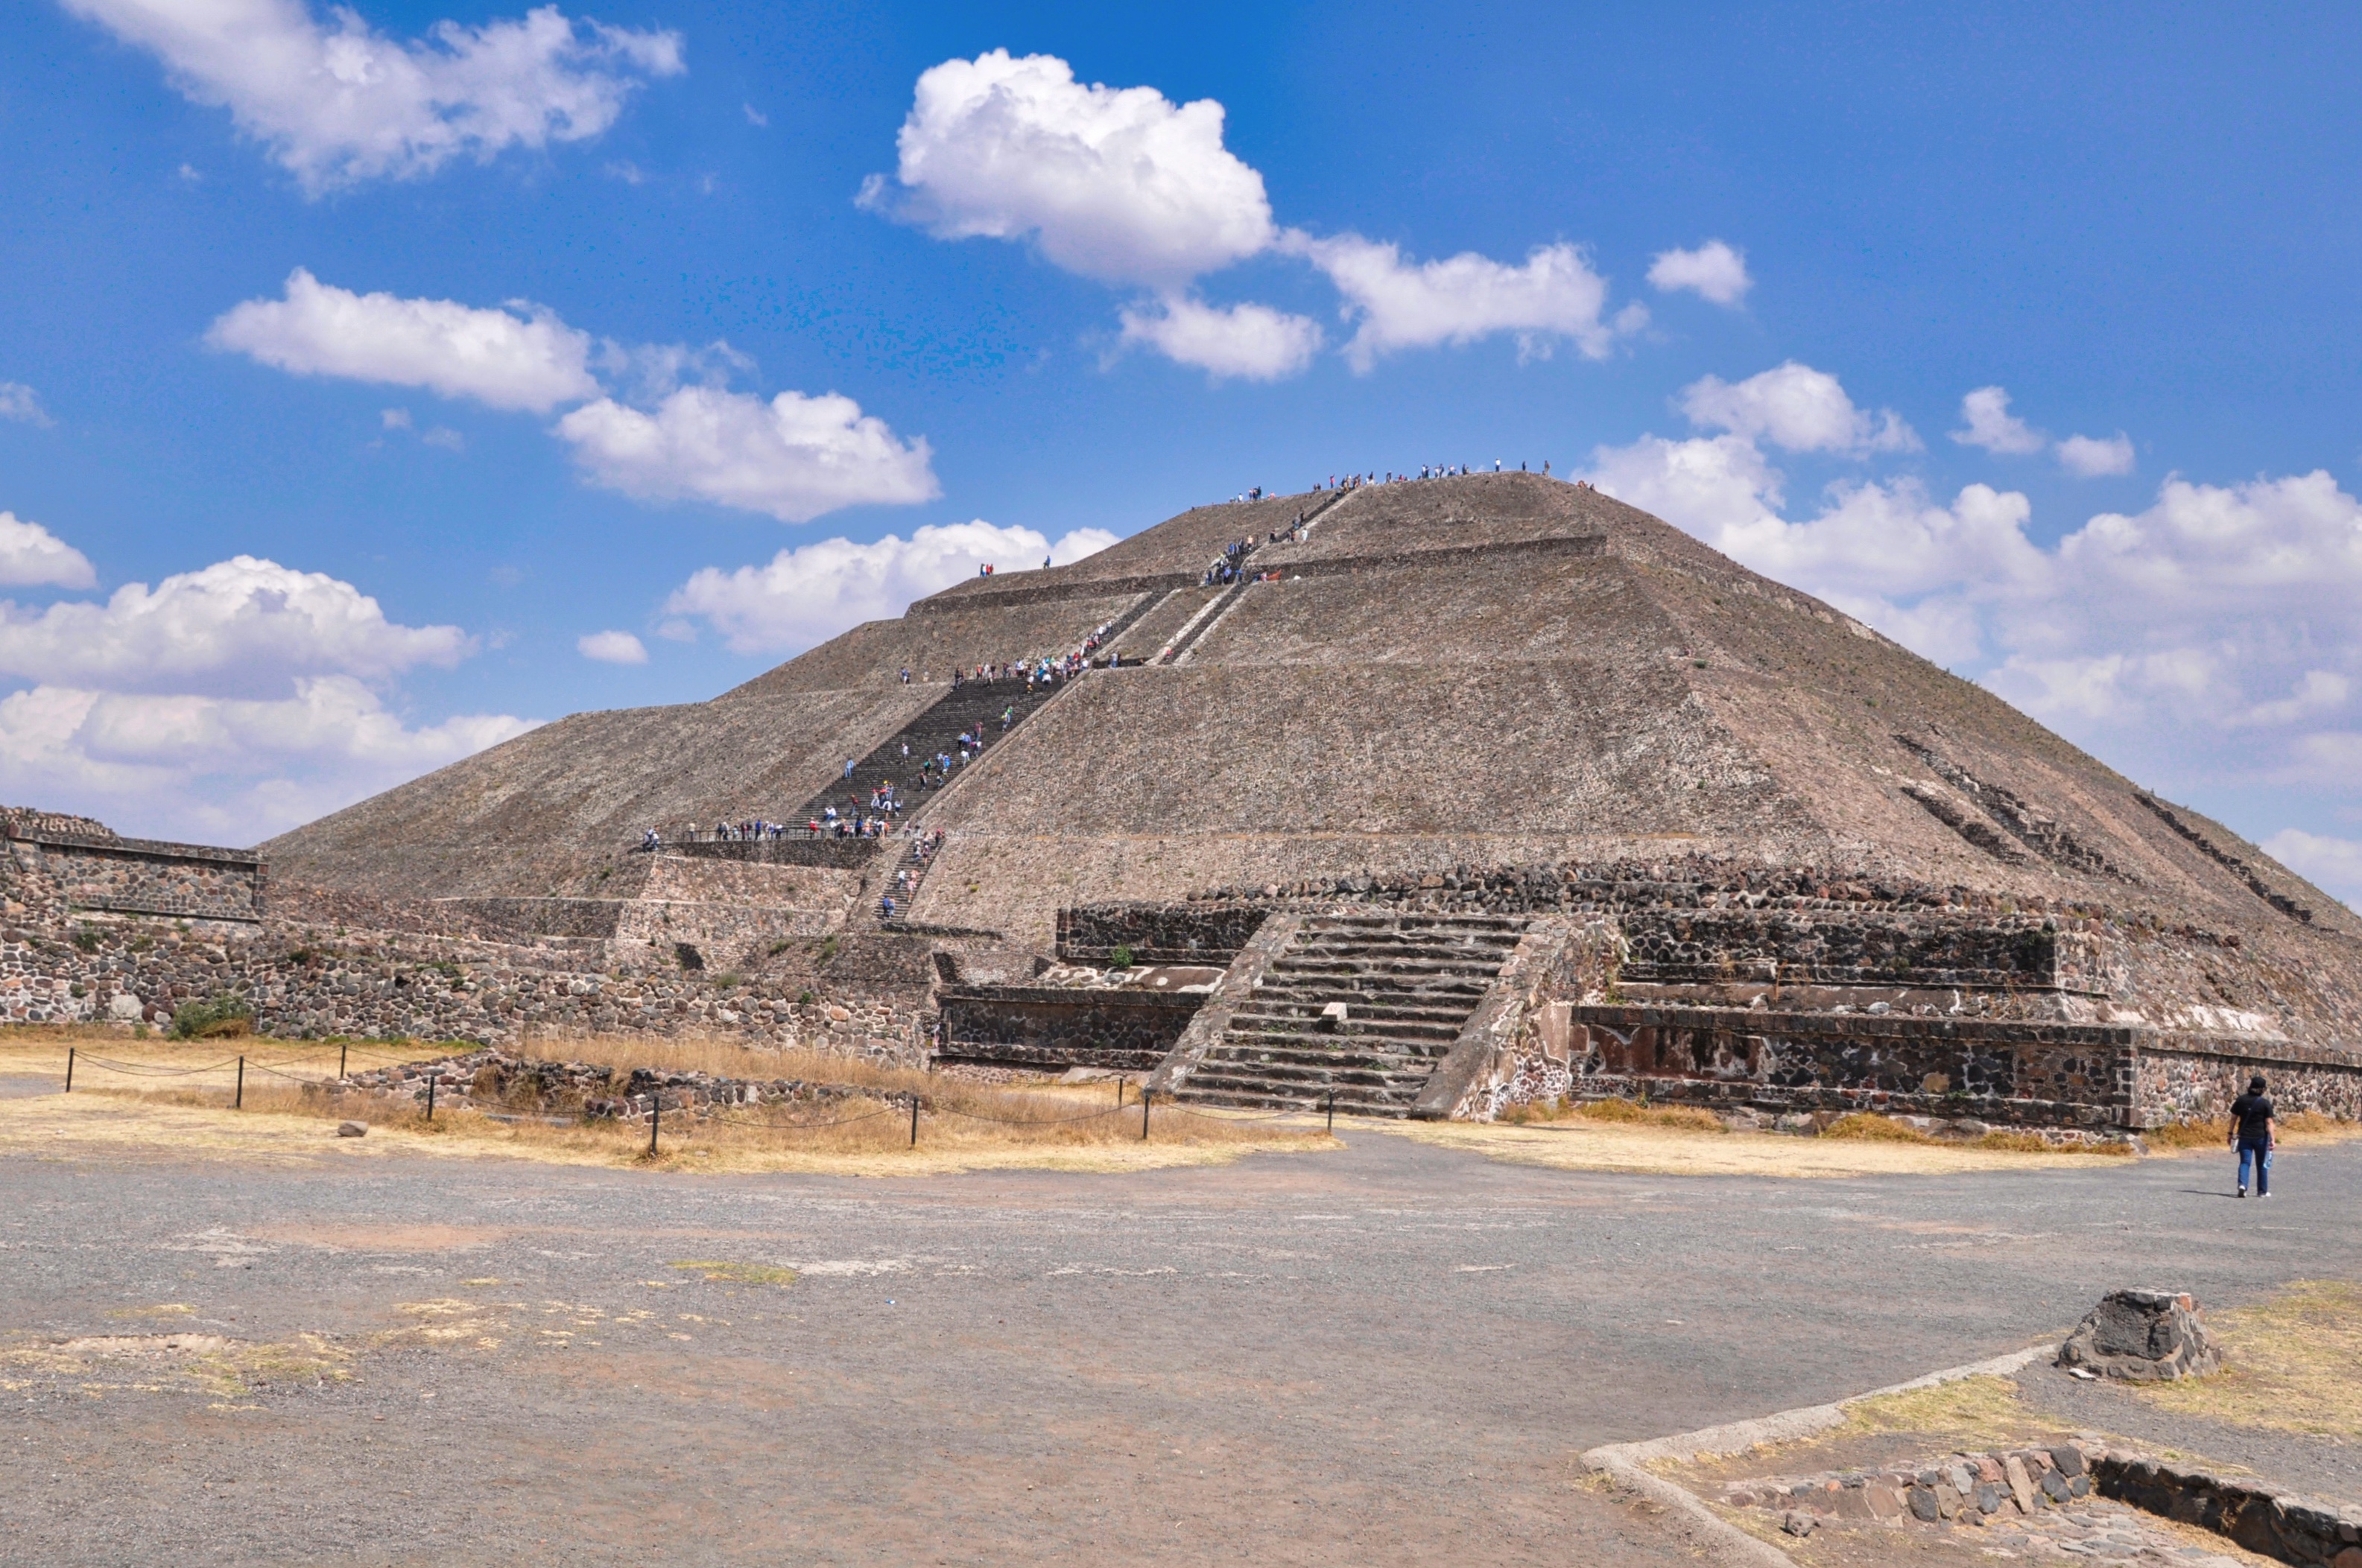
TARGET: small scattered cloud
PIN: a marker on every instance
(612, 648)
(337, 102)
(1396, 304)
(191, 173)
(793, 457)
(1986, 422)
(1796, 407)
(446, 438)
(2091, 457)
(1251, 341)
(394, 418)
(810, 593)
(624, 170)
(22, 404)
(1119, 184)
(1713, 271)
(523, 357)
(505, 577)
(32, 556)
(754, 117)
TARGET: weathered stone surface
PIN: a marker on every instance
(352, 1129)
(2140, 1336)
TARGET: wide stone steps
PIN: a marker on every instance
(1264, 1020)
(1288, 1051)
(1408, 984)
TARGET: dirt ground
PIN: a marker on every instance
(1387, 1351)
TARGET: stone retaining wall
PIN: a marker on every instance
(2046, 1074)
(1919, 950)
(72, 875)
(1054, 1027)
(1193, 933)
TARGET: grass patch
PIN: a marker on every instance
(1869, 1128)
(742, 1273)
(2293, 1363)
(1627, 1113)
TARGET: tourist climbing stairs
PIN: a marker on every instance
(991, 708)
(1361, 1006)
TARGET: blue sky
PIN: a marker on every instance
(273, 544)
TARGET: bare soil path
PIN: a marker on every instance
(1388, 1354)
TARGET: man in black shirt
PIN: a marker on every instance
(2251, 1134)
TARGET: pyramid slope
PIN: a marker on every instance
(1494, 669)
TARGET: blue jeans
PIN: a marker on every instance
(2262, 1156)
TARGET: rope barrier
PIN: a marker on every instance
(154, 1070)
(801, 1126)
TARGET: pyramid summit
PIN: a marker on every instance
(1435, 795)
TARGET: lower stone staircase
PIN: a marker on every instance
(1409, 984)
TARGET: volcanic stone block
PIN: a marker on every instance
(2142, 1337)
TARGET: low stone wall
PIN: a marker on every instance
(1055, 1027)
(498, 1082)
(1194, 933)
(2190, 1081)
(2286, 1529)
(841, 854)
(311, 984)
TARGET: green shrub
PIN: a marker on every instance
(1120, 959)
(220, 1014)
(85, 938)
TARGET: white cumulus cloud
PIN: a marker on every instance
(234, 627)
(1119, 184)
(810, 593)
(224, 703)
(793, 457)
(336, 102)
(2217, 632)
(1396, 304)
(1713, 271)
(2093, 458)
(522, 360)
(1799, 408)
(22, 404)
(612, 648)
(1254, 342)
(32, 556)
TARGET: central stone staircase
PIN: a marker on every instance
(1409, 984)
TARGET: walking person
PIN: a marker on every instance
(2253, 1134)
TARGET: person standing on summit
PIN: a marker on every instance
(2252, 1129)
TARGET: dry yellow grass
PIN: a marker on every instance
(2292, 1362)
(968, 1126)
(2214, 1137)
(1578, 1143)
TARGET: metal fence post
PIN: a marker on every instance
(656, 1116)
(239, 1102)
(342, 1047)
(914, 1120)
(431, 1078)
(70, 1055)
(1145, 1096)
(1332, 1110)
